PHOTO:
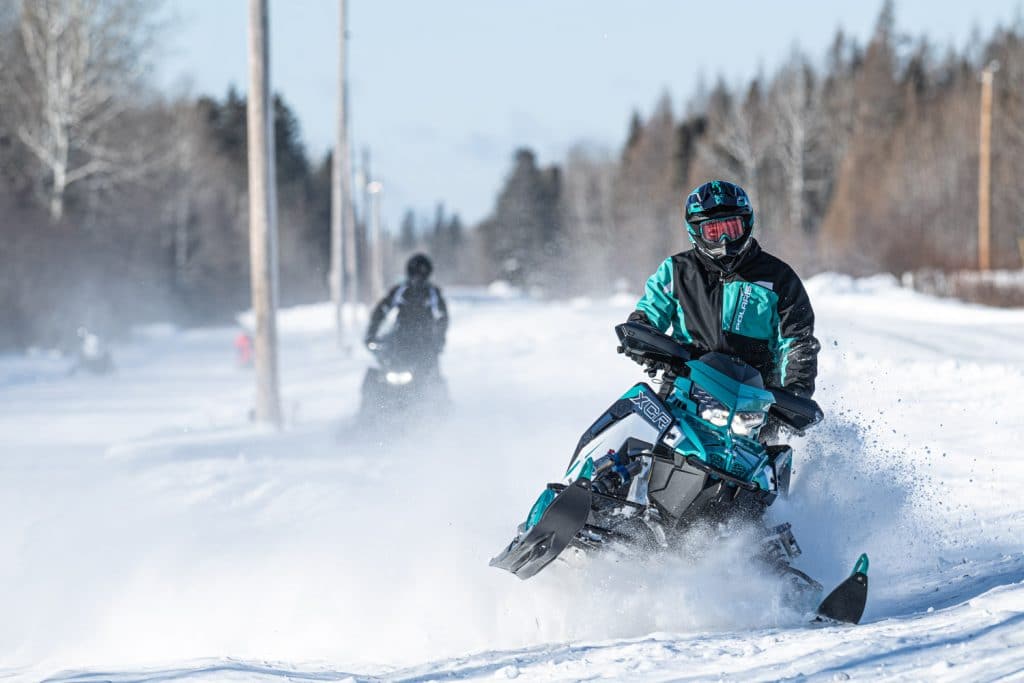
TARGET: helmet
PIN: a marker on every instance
(720, 221)
(418, 267)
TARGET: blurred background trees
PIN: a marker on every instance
(120, 205)
(864, 161)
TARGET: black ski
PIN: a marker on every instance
(563, 518)
(846, 602)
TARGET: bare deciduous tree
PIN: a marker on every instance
(647, 192)
(795, 110)
(588, 213)
(738, 141)
(80, 65)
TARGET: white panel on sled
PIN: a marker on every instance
(612, 438)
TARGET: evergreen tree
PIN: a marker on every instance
(407, 238)
(636, 128)
(522, 237)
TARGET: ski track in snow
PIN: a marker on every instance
(150, 532)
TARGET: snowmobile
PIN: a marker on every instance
(402, 381)
(656, 464)
(92, 355)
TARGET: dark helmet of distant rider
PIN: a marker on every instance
(418, 268)
(720, 222)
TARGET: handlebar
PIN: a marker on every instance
(656, 352)
(796, 412)
(652, 349)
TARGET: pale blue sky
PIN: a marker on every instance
(442, 91)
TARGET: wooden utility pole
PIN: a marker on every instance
(351, 242)
(343, 279)
(374, 189)
(262, 215)
(365, 177)
(337, 277)
(985, 169)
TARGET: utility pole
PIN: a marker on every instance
(351, 240)
(343, 281)
(364, 178)
(985, 168)
(262, 215)
(367, 176)
(376, 242)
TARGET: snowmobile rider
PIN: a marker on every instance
(728, 295)
(422, 320)
(92, 354)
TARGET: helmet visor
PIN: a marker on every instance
(722, 229)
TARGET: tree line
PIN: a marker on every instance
(120, 204)
(865, 160)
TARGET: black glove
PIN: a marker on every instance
(635, 357)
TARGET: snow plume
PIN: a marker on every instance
(852, 495)
(710, 582)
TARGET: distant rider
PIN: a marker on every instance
(728, 295)
(91, 355)
(421, 324)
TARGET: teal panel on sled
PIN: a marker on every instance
(736, 395)
(715, 445)
(537, 511)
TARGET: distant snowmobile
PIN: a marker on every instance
(405, 383)
(91, 355)
(650, 468)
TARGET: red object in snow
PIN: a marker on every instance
(243, 346)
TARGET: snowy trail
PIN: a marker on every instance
(150, 532)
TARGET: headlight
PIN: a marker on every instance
(744, 424)
(709, 408)
(717, 413)
(398, 377)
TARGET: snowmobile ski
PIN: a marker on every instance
(564, 517)
(845, 604)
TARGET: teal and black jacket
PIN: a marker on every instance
(759, 311)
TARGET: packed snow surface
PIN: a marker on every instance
(148, 530)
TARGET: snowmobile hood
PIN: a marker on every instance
(735, 394)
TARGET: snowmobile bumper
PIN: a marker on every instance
(554, 531)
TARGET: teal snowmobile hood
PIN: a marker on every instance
(738, 397)
(741, 456)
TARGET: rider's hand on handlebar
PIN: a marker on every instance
(635, 357)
